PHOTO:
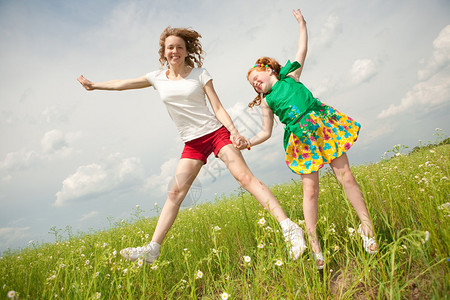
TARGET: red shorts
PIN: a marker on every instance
(200, 148)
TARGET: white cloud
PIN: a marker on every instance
(329, 32)
(54, 141)
(440, 57)
(161, 182)
(18, 160)
(11, 236)
(115, 174)
(424, 96)
(89, 215)
(362, 70)
(433, 87)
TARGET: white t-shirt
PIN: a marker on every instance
(186, 103)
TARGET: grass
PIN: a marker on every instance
(233, 248)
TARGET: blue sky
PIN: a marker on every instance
(76, 158)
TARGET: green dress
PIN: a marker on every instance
(315, 133)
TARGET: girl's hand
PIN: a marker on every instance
(240, 142)
(298, 15)
(87, 84)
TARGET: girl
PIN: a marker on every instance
(182, 88)
(315, 134)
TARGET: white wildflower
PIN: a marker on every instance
(262, 221)
(224, 296)
(279, 263)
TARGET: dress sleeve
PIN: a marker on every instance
(288, 68)
(204, 77)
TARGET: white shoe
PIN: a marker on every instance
(148, 253)
(294, 237)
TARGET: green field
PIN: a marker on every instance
(224, 248)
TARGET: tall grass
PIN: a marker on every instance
(233, 248)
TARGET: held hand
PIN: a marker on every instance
(240, 142)
(87, 84)
(298, 15)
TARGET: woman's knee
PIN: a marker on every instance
(176, 195)
(245, 179)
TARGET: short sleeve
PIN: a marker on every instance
(204, 77)
(151, 78)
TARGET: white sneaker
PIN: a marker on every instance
(294, 237)
(148, 253)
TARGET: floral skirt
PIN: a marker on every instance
(329, 135)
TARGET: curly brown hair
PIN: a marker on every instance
(193, 45)
(260, 65)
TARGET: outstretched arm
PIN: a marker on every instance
(115, 85)
(302, 46)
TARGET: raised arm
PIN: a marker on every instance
(302, 46)
(115, 85)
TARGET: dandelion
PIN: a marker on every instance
(98, 295)
(224, 296)
(279, 263)
(11, 294)
(247, 259)
(262, 221)
(199, 274)
(261, 245)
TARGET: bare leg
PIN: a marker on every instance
(345, 177)
(238, 168)
(187, 170)
(310, 207)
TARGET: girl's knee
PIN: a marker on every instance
(310, 192)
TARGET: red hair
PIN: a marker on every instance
(260, 65)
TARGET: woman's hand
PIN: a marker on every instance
(87, 84)
(240, 142)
